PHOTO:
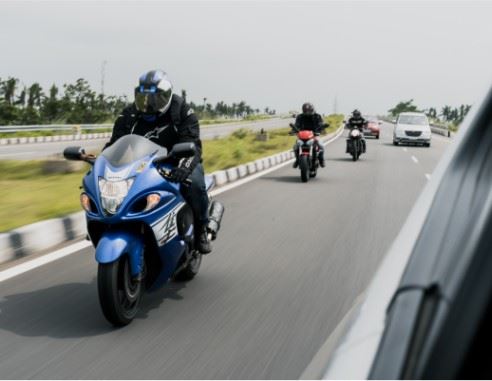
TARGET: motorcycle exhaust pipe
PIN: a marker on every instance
(216, 211)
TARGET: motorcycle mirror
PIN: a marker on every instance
(181, 150)
(73, 153)
(291, 125)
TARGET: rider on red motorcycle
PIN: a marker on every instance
(310, 120)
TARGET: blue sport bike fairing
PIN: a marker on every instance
(138, 221)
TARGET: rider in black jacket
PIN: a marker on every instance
(357, 121)
(165, 118)
(310, 120)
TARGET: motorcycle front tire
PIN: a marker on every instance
(119, 295)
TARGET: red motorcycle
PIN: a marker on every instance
(308, 153)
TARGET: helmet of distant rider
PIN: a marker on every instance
(356, 113)
(154, 93)
(308, 108)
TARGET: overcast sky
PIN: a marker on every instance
(368, 54)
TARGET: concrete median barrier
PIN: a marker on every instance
(220, 178)
(259, 165)
(232, 174)
(242, 171)
(251, 167)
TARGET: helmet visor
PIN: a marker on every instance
(151, 100)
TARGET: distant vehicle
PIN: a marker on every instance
(412, 128)
(372, 128)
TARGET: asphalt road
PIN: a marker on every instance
(208, 132)
(289, 263)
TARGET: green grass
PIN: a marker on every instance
(241, 147)
(28, 195)
(206, 122)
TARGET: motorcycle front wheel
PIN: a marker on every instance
(304, 167)
(119, 295)
(355, 151)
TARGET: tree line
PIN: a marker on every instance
(221, 109)
(447, 114)
(77, 102)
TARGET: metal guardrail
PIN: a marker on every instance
(76, 128)
(441, 130)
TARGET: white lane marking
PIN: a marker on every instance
(427, 176)
(40, 261)
(415, 160)
(405, 149)
(47, 258)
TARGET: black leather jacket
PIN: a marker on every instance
(313, 122)
(178, 124)
(356, 123)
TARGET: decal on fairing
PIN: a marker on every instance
(117, 175)
(167, 228)
(141, 167)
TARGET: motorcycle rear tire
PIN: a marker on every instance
(119, 296)
(304, 167)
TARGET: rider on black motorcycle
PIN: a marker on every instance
(165, 119)
(357, 121)
(310, 120)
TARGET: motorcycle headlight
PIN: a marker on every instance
(113, 193)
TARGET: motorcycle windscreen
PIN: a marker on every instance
(131, 148)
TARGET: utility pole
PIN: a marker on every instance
(103, 75)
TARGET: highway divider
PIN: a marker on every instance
(440, 130)
(54, 138)
(44, 235)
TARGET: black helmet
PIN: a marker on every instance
(356, 113)
(154, 92)
(308, 108)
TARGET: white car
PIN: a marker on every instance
(412, 127)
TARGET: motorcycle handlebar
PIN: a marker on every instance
(166, 173)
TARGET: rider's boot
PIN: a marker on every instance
(321, 159)
(296, 161)
(202, 242)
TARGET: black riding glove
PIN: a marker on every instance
(184, 169)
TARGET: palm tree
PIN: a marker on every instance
(8, 87)
(35, 94)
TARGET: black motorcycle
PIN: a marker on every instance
(356, 145)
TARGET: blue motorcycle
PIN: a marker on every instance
(138, 221)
